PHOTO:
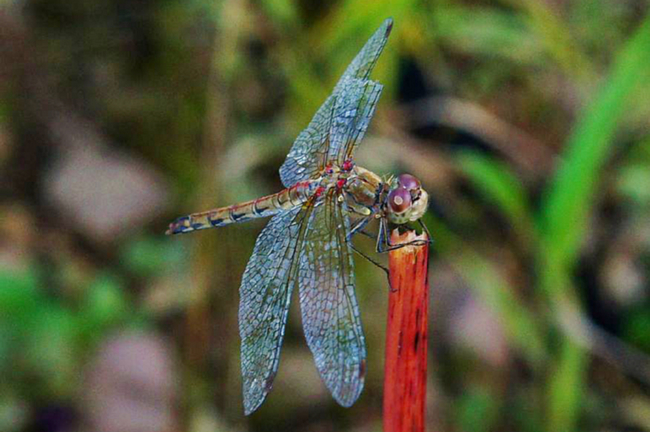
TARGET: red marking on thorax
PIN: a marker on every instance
(319, 191)
(348, 165)
(340, 183)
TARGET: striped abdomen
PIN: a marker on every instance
(261, 207)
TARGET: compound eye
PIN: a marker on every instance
(408, 182)
(399, 200)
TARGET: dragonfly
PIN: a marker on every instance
(307, 244)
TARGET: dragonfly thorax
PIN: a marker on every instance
(363, 190)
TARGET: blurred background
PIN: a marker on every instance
(527, 121)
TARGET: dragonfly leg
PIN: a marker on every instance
(426, 230)
(358, 228)
(367, 234)
(392, 247)
(382, 238)
(383, 241)
(368, 258)
(360, 225)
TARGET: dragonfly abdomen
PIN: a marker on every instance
(257, 208)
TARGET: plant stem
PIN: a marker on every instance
(405, 373)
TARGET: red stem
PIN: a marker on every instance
(405, 374)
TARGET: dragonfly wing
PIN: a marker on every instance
(328, 304)
(265, 293)
(309, 150)
(352, 114)
(310, 153)
(365, 61)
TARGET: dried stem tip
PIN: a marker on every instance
(405, 374)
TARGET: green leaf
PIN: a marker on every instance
(148, 256)
(105, 303)
(633, 183)
(636, 328)
(572, 193)
(567, 207)
(18, 295)
(560, 45)
(487, 32)
(50, 350)
(566, 388)
(282, 11)
(477, 411)
(499, 186)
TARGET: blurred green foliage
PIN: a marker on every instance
(540, 196)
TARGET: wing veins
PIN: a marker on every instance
(311, 150)
(330, 318)
(277, 269)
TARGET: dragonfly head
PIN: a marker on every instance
(406, 201)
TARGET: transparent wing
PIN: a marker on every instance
(365, 61)
(352, 114)
(309, 153)
(265, 294)
(330, 314)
